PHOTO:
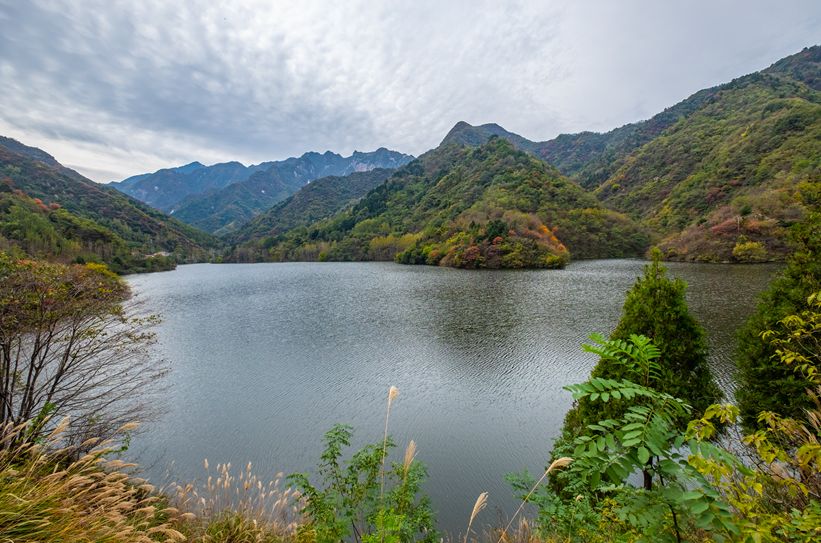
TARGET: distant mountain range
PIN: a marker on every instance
(50, 211)
(166, 188)
(222, 197)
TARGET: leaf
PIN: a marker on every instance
(699, 507)
(643, 455)
(691, 495)
(631, 435)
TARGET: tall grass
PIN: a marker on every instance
(393, 392)
(232, 502)
(46, 496)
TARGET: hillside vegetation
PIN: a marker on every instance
(49, 211)
(317, 200)
(725, 183)
(719, 176)
(490, 206)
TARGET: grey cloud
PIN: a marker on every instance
(126, 87)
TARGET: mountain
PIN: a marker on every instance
(489, 206)
(50, 211)
(719, 176)
(317, 200)
(223, 211)
(727, 181)
(166, 188)
(589, 157)
(463, 133)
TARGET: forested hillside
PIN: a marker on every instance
(473, 207)
(719, 176)
(726, 182)
(317, 200)
(49, 211)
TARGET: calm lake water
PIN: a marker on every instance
(266, 357)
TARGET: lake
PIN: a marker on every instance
(266, 357)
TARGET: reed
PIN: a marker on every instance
(234, 501)
(556, 464)
(46, 496)
(481, 503)
(393, 392)
(410, 456)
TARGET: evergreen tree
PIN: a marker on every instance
(655, 307)
(765, 384)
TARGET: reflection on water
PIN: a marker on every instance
(267, 357)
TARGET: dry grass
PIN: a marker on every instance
(393, 392)
(233, 502)
(481, 503)
(410, 456)
(45, 497)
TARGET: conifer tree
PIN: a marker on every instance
(655, 307)
(764, 383)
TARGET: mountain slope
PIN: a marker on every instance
(588, 157)
(225, 210)
(489, 206)
(726, 182)
(51, 211)
(719, 176)
(317, 200)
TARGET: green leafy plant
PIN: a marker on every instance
(346, 503)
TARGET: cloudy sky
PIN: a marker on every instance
(118, 88)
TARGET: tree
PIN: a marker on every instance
(695, 488)
(70, 348)
(655, 307)
(764, 384)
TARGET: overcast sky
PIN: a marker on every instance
(112, 89)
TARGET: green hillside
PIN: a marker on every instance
(49, 211)
(725, 183)
(473, 207)
(719, 176)
(317, 200)
(223, 210)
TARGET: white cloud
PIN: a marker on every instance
(118, 88)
